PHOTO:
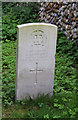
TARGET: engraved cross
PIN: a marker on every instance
(37, 70)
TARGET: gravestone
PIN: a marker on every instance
(35, 59)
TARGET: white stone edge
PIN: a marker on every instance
(31, 24)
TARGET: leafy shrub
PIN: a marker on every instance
(8, 69)
(67, 48)
(16, 13)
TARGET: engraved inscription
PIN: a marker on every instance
(38, 45)
(38, 38)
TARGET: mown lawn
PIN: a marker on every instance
(63, 102)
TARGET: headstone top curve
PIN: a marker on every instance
(35, 24)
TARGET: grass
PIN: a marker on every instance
(63, 102)
(57, 106)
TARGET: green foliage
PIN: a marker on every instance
(8, 75)
(16, 13)
(66, 48)
(62, 104)
(46, 116)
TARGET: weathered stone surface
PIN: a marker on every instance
(35, 59)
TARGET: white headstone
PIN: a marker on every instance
(35, 59)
